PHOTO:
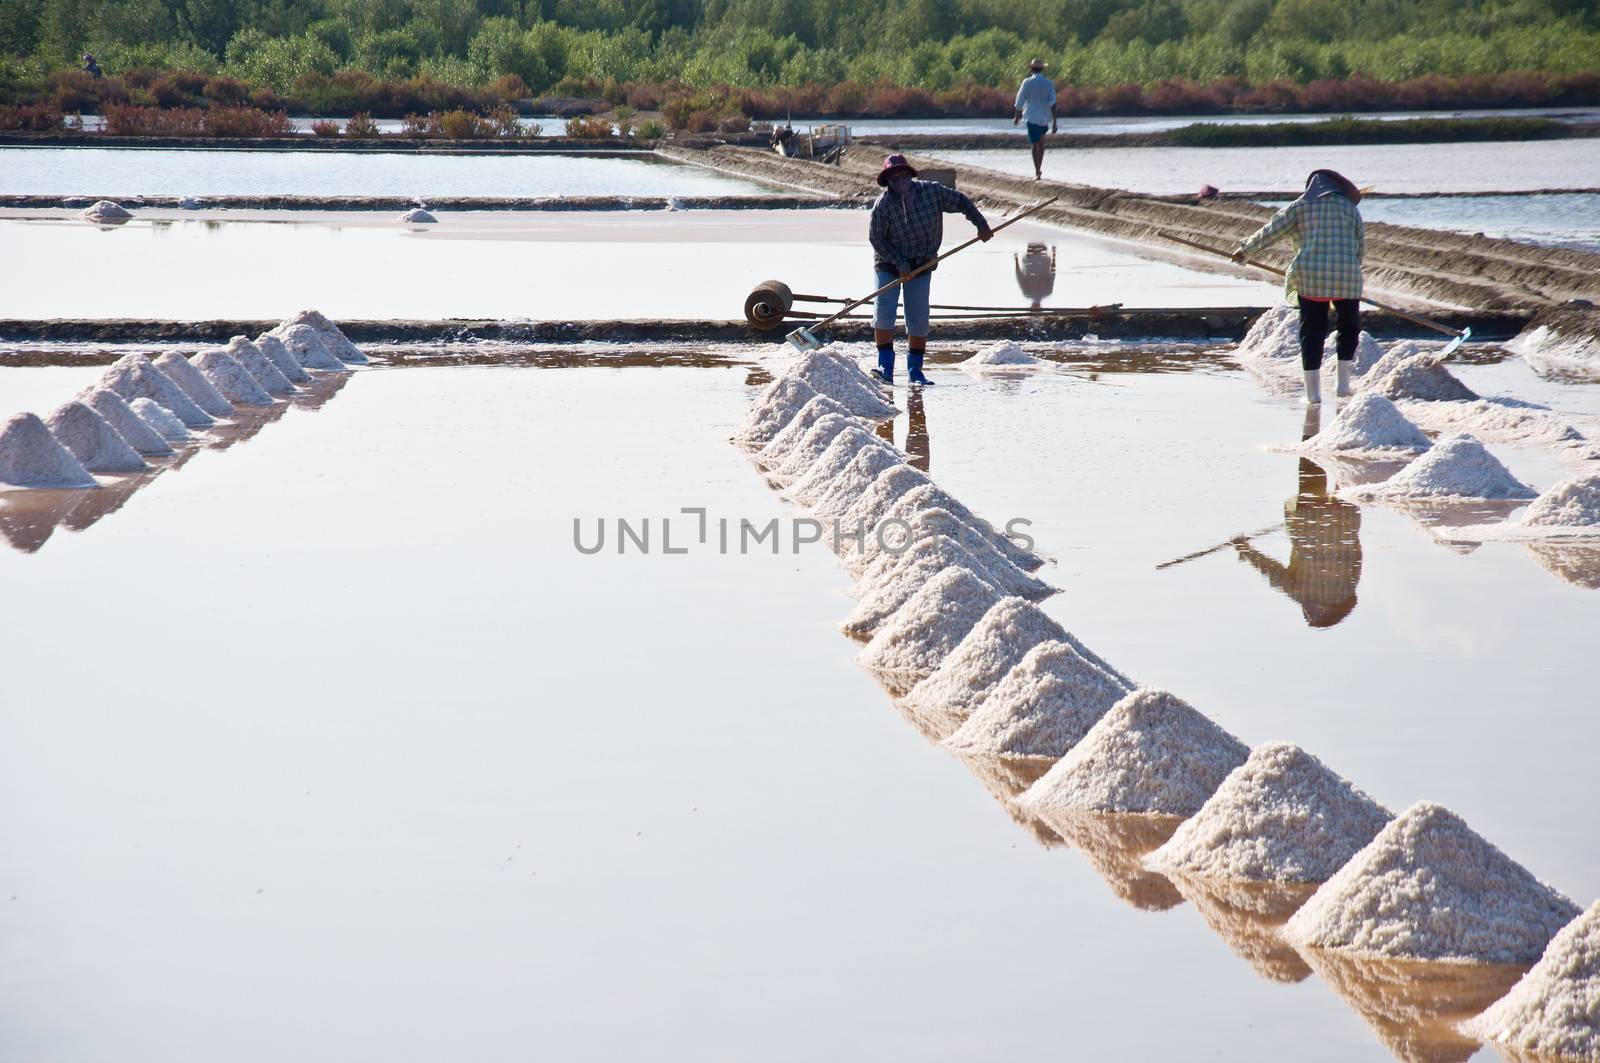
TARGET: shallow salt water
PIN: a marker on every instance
(510, 796)
(170, 172)
(565, 266)
(1554, 220)
(1488, 167)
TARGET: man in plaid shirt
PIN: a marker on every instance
(906, 230)
(1327, 229)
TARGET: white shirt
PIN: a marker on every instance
(1035, 98)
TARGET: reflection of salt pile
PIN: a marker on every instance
(279, 355)
(915, 640)
(307, 347)
(1457, 467)
(1115, 844)
(188, 376)
(160, 419)
(1429, 888)
(134, 377)
(1573, 503)
(1152, 753)
(885, 590)
(886, 544)
(1555, 1009)
(1002, 353)
(232, 380)
(832, 462)
(1369, 424)
(1006, 780)
(333, 338)
(106, 212)
(31, 457)
(841, 380)
(853, 481)
(129, 425)
(247, 354)
(1042, 707)
(1413, 370)
(96, 445)
(1247, 917)
(1281, 816)
(1574, 563)
(774, 408)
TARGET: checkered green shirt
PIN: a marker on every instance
(1331, 239)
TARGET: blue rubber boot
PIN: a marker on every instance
(914, 369)
(885, 370)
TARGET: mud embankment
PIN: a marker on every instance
(401, 203)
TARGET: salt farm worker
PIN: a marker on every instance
(1326, 271)
(906, 230)
(1036, 105)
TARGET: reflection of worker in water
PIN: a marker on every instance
(916, 431)
(1325, 553)
(1036, 273)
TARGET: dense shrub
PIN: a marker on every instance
(246, 122)
(589, 127)
(325, 127)
(652, 129)
(361, 125)
(36, 117)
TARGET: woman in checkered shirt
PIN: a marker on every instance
(1326, 272)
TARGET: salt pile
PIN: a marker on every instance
(1282, 816)
(1002, 353)
(306, 346)
(1570, 351)
(1555, 1009)
(877, 500)
(818, 438)
(279, 355)
(160, 419)
(417, 216)
(96, 445)
(1042, 707)
(134, 377)
(1152, 753)
(188, 376)
(106, 212)
(1573, 503)
(1458, 466)
(31, 457)
(881, 556)
(1369, 424)
(831, 463)
(333, 337)
(1271, 350)
(933, 622)
(924, 559)
(853, 481)
(134, 430)
(829, 376)
(779, 448)
(930, 496)
(1412, 370)
(1428, 888)
(247, 354)
(231, 379)
(774, 408)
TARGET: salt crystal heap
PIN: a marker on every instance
(98, 446)
(830, 375)
(230, 378)
(1042, 707)
(778, 449)
(884, 554)
(333, 337)
(417, 216)
(1412, 370)
(1151, 754)
(918, 638)
(832, 462)
(129, 425)
(279, 355)
(1001, 354)
(1573, 503)
(816, 441)
(1429, 888)
(271, 379)
(1271, 348)
(1458, 466)
(877, 500)
(1369, 425)
(308, 348)
(773, 409)
(926, 496)
(31, 457)
(194, 384)
(892, 587)
(160, 419)
(1562, 351)
(1554, 1011)
(853, 481)
(1275, 335)
(134, 377)
(105, 212)
(1281, 816)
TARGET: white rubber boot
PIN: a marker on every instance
(1313, 387)
(1343, 390)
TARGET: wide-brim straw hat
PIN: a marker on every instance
(892, 165)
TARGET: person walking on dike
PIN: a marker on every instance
(906, 230)
(1326, 272)
(1036, 105)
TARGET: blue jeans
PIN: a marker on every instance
(916, 290)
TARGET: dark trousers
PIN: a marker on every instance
(1314, 330)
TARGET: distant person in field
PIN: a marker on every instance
(1325, 275)
(1036, 105)
(91, 67)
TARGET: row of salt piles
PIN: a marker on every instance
(141, 407)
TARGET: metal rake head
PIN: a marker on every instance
(802, 340)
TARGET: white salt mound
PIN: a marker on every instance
(1554, 1011)
(992, 648)
(1273, 335)
(1570, 352)
(333, 337)
(1429, 888)
(1152, 753)
(1458, 466)
(815, 443)
(230, 378)
(1042, 707)
(833, 461)
(877, 500)
(188, 376)
(1573, 503)
(417, 216)
(828, 376)
(129, 425)
(106, 211)
(160, 420)
(1412, 369)
(96, 445)
(853, 481)
(781, 446)
(891, 588)
(1367, 423)
(279, 355)
(918, 638)
(247, 354)
(1002, 352)
(1281, 816)
(882, 554)
(31, 457)
(305, 345)
(134, 377)
(773, 409)
(930, 496)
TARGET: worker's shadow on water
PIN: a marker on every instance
(918, 445)
(1325, 545)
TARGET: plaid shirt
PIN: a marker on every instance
(1331, 239)
(907, 230)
